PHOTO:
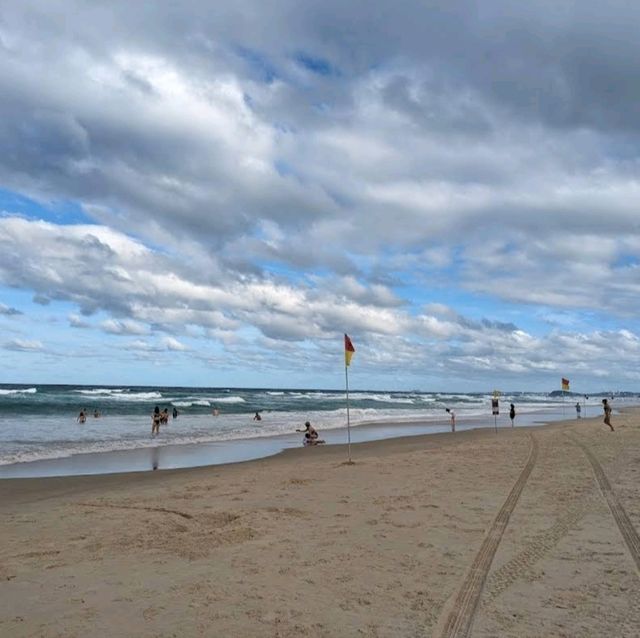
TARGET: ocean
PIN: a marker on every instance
(39, 421)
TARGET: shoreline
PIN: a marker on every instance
(334, 453)
(220, 452)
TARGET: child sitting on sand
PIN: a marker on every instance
(309, 440)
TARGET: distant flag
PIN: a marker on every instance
(348, 353)
(565, 385)
(348, 350)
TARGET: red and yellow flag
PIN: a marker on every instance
(348, 350)
(565, 385)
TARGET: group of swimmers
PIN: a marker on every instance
(158, 418)
(82, 417)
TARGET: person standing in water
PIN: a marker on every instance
(156, 417)
(452, 414)
(512, 413)
(257, 417)
(175, 413)
(82, 417)
(607, 413)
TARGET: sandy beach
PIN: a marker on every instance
(530, 532)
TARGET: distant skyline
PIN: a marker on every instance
(206, 195)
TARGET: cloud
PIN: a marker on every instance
(24, 345)
(125, 327)
(416, 142)
(165, 344)
(170, 343)
(8, 311)
(75, 321)
(100, 269)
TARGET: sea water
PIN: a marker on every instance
(38, 422)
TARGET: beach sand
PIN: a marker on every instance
(530, 532)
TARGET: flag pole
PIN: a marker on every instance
(346, 379)
(348, 353)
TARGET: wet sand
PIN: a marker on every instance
(531, 532)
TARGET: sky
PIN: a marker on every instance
(211, 194)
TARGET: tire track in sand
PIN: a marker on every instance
(521, 565)
(461, 617)
(620, 516)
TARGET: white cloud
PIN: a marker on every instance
(123, 327)
(170, 343)
(24, 345)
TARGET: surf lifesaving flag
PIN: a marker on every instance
(565, 385)
(348, 350)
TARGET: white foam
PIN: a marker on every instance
(99, 391)
(136, 396)
(234, 399)
(21, 391)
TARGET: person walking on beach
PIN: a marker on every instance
(512, 413)
(155, 421)
(578, 409)
(452, 414)
(607, 413)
